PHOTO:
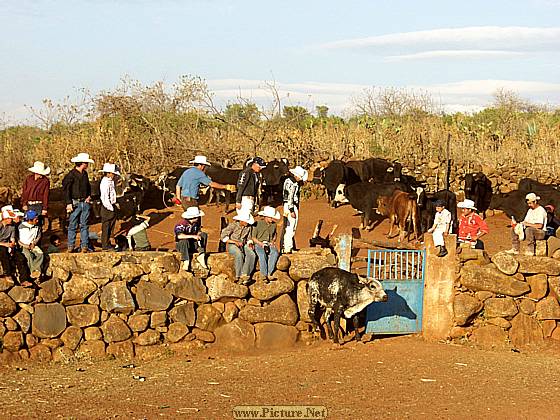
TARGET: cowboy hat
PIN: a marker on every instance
(300, 173)
(244, 216)
(271, 212)
(192, 213)
(19, 213)
(467, 204)
(39, 168)
(200, 160)
(110, 168)
(8, 214)
(532, 197)
(81, 158)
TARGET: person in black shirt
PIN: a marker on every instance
(77, 195)
(248, 186)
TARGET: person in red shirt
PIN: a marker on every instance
(471, 226)
(35, 191)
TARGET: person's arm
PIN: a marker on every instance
(24, 194)
(67, 184)
(217, 185)
(241, 185)
(88, 189)
(45, 199)
(482, 228)
(105, 193)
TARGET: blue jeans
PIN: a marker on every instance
(267, 263)
(187, 247)
(244, 259)
(79, 216)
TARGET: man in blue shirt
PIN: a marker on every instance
(188, 186)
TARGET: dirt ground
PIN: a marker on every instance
(401, 377)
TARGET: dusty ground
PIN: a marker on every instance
(402, 377)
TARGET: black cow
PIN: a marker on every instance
(478, 188)
(339, 293)
(514, 203)
(128, 205)
(531, 185)
(273, 177)
(335, 174)
(426, 205)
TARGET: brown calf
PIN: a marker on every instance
(400, 208)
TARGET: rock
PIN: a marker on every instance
(500, 307)
(22, 294)
(30, 340)
(176, 332)
(139, 322)
(283, 263)
(183, 313)
(541, 248)
(7, 305)
(13, 341)
(303, 301)
(538, 265)
(63, 355)
(490, 336)
(77, 289)
(553, 245)
(6, 283)
(94, 349)
(303, 326)
(220, 306)
(465, 307)
(222, 263)
(158, 277)
(270, 335)
(554, 284)
(115, 329)
(24, 354)
(506, 263)
(148, 353)
(40, 353)
(11, 324)
(93, 333)
(548, 308)
(490, 279)
(100, 274)
(238, 335)
(281, 310)
(95, 298)
(469, 254)
(189, 288)
(51, 290)
(158, 319)
(147, 338)
(121, 350)
(499, 322)
(527, 306)
(539, 286)
(483, 295)
(168, 263)
(23, 319)
(116, 298)
(152, 297)
(49, 320)
(72, 337)
(254, 302)
(548, 327)
(221, 287)
(230, 311)
(82, 315)
(303, 265)
(555, 334)
(127, 272)
(208, 318)
(8, 358)
(52, 343)
(282, 284)
(525, 330)
(205, 336)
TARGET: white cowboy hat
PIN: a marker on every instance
(244, 216)
(532, 197)
(467, 204)
(110, 168)
(270, 212)
(300, 173)
(8, 214)
(81, 158)
(192, 213)
(19, 213)
(39, 168)
(200, 160)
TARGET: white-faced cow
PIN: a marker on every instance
(339, 293)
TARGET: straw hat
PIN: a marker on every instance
(200, 160)
(110, 168)
(270, 212)
(467, 204)
(192, 213)
(244, 216)
(300, 173)
(81, 158)
(39, 168)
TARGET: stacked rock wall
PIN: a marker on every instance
(141, 304)
(506, 301)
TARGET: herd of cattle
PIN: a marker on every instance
(375, 187)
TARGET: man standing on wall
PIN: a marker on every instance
(35, 191)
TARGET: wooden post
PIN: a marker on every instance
(343, 249)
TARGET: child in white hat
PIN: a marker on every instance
(264, 238)
(237, 237)
(189, 238)
(108, 204)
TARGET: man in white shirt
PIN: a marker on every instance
(441, 227)
(533, 226)
(108, 204)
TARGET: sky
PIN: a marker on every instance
(315, 52)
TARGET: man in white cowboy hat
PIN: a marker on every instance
(189, 238)
(264, 238)
(77, 195)
(35, 190)
(237, 237)
(248, 185)
(532, 228)
(291, 199)
(7, 240)
(109, 206)
(472, 227)
(188, 186)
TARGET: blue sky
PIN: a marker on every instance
(317, 52)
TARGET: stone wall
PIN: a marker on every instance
(141, 304)
(506, 301)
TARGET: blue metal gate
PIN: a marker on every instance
(402, 274)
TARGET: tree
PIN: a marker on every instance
(322, 111)
(240, 112)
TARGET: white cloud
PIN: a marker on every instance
(460, 54)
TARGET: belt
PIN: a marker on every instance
(34, 202)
